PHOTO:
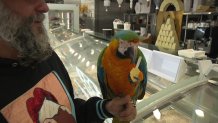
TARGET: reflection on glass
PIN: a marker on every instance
(157, 114)
(68, 20)
(93, 67)
(86, 86)
(83, 59)
(87, 63)
(167, 115)
(72, 51)
(92, 52)
(62, 17)
(199, 113)
(80, 45)
(79, 57)
(75, 54)
(61, 24)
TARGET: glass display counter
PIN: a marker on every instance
(62, 22)
(187, 101)
(196, 105)
(80, 58)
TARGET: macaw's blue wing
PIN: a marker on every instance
(143, 68)
(101, 75)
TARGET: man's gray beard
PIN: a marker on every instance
(33, 46)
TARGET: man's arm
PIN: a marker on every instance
(96, 110)
(91, 111)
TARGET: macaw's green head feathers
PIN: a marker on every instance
(127, 35)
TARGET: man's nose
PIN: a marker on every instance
(42, 8)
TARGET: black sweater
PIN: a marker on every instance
(16, 80)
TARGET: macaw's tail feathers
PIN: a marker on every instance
(116, 120)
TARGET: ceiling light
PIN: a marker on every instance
(107, 3)
(120, 2)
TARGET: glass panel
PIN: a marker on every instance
(196, 106)
(80, 58)
(167, 115)
(60, 24)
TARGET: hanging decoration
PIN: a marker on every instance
(107, 3)
(143, 6)
(157, 4)
(120, 2)
(131, 3)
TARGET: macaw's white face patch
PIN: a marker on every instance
(124, 45)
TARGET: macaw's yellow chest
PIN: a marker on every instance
(117, 72)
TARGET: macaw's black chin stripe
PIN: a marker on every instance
(129, 53)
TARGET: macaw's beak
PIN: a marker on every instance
(131, 53)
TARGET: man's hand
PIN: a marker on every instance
(122, 108)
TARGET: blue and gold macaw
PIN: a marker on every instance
(117, 72)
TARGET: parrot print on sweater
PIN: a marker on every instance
(117, 69)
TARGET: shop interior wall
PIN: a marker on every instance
(103, 19)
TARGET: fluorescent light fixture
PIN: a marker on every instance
(68, 20)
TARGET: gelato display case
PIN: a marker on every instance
(80, 58)
(189, 99)
(62, 22)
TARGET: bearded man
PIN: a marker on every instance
(31, 72)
